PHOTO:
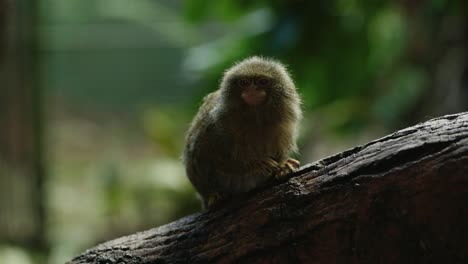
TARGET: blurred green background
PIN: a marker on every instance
(96, 95)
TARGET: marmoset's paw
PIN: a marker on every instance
(294, 163)
(287, 167)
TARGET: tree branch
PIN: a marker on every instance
(399, 199)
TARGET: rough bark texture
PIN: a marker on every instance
(399, 199)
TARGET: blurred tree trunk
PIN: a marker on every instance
(21, 161)
(398, 199)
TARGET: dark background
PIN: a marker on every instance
(96, 95)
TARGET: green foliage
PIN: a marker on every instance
(166, 128)
(129, 75)
(403, 90)
(386, 39)
(224, 10)
(338, 51)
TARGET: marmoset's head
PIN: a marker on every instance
(256, 82)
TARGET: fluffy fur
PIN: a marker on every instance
(232, 148)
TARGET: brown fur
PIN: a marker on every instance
(230, 146)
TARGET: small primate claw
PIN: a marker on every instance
(214, 198)
(287, 167)
(294, 163)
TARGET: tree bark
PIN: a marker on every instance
(399, 199)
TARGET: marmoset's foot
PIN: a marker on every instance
(294, 163)
(287, 167)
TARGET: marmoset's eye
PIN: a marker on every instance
(263, 81)
(243, 82)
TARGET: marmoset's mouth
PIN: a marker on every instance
(253, 96)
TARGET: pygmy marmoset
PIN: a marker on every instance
(244, 132)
